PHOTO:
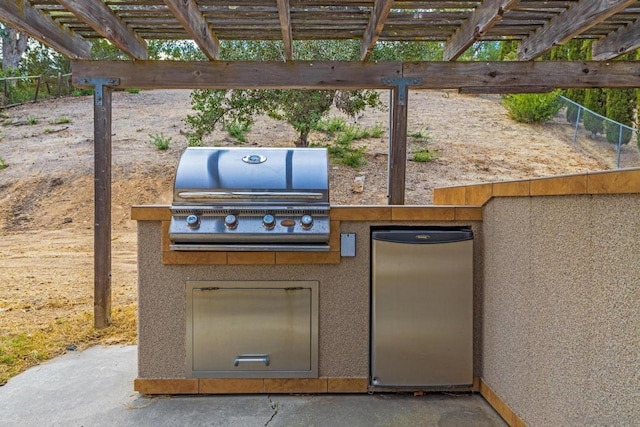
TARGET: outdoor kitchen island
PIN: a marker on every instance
(166, 277)
(556, 297)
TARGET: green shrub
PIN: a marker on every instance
(81, 92)
(331, 125)
(346, 154)
(32, 120)
(3, 165)
(351, 133)
(420, 135)
(132, 90)
(532, 107)
(425, 155)
(238, 130)
(377, 131)
(160, 141)
(194, 140)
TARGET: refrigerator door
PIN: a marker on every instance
(422, 308)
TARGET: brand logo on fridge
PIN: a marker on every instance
(423, 237)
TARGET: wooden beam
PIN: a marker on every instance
(102, 207)
(521, 77)
(22, 16)
(239, 74)
(617, 43)
(188, 14)
(97, 15)
(285, 26)
(578, 18)
(398, 145)
(485, 17)
(377, 19)
(516, 76)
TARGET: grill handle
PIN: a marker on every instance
(251, 358)
(213, 195)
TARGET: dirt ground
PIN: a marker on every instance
(46, 191)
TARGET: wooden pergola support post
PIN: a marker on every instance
(398, 137)
(102, 108)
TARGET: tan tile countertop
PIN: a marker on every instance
(351, 213)
(621, 181)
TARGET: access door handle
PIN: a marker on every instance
(251, 358)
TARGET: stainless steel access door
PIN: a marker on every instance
(252, 329)
(422, 307)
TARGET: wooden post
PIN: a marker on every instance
(398, 144)
(102, 188)
(35, 97)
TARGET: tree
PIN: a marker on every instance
(406, 51)
(508, 50)
(620, 106)
(39, 59)
(596, 101)
(14, 43)
(574, 52)
(302, 109)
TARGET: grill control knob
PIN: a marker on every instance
(231, 221)
(193, 222)
(269, 221)
(306, 222)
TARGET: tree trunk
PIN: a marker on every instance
(303, 140)
(14, 43)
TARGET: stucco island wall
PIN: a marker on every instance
(561, 325)
(344, 299)
(561, 301)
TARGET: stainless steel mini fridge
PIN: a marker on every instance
(422, 307)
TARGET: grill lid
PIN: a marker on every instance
(247, 199)
(252, 176)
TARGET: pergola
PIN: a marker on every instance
(68, 26)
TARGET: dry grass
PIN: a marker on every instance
(21, 350)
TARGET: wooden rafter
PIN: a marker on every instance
(578, 18)
(485, 17)
(190, 17)
(285, 25)
(625, 40)
(22, 16)
(102, 19)
(377, 19)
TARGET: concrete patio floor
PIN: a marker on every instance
(95, 388)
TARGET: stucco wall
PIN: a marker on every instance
(561, 308)
(343, 306)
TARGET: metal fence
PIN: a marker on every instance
(607, 140)
(20, 90)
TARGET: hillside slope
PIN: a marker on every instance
(46, 192)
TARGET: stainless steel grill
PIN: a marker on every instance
(251, 199)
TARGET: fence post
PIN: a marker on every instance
(59, 83)
(619, 146)
(575, 133)
(35, 97)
